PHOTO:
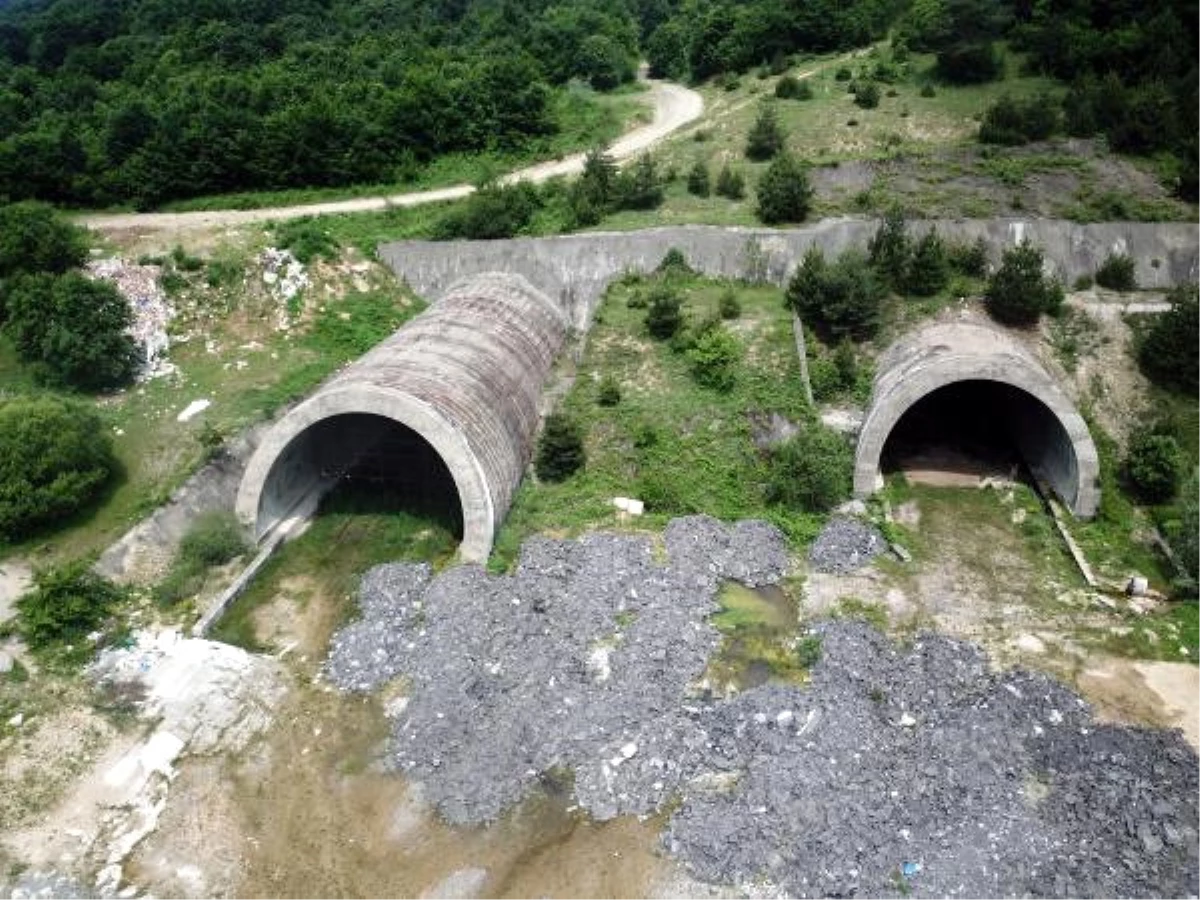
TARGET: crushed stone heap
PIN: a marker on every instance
(913, 771)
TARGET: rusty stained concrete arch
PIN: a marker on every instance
(465, 377)
(1050, 432)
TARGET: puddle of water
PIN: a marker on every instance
(760, 626)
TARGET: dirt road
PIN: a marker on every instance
(674, 106)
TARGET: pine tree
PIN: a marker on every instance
(766, 137)
(697, 182)
(928, 270)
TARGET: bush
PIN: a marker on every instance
(811, 471)
(842, 300)
(928, 270)
(213, 539)
(969, 259)
(789, 87)
(843, 74)
(73, 331)
(784, 194)
(1168, 351)
(928, 91)
(307, 240)
(639, 186)
(1018, 293)
(35, 238)
(970, 63)
(889, 249)
(609, 391)
(1117, 273)
(766, 138)
(713, 359)
(1011, 122)
(493, 212)
(730, 183)
(55, 457)
(697, 180)
(674, 263)
(560, 451)
(1153, 466)
(729, 306)
(867, 95)
(1184, 531)
(664, 313)
(845, 361)
(65, 605)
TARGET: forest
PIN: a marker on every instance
(139, 102)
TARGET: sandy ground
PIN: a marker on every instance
(674, 106)
(15, 579)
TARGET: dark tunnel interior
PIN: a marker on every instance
(979, 428)
(367, 463)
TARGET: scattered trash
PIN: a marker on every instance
(1137, 586)
(152, 312)
(909, 869)
(629, 505)
(902, 554)
(193, 409)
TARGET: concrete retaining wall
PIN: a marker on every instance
(575, 269)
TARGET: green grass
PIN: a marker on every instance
(1157, 635)
(585, 118)
(351, 533)
(680, 447)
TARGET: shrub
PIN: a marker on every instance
(713, 359)
(730, 183)
(970, 63)
(1117, 273)
(928, 91)
(73, 331)
(789, 87)
(35, 238)
(766, 138)
(843, 74)
(810, 471)
(928, 270)
(867, 95)
(65, 605)
(845, 361)
(889, 249)
(697, 180)
(784, 194)
(839, 300)
(1011, 122)
(1168, 350)
(1153, 466)
(664, 313)
(213, 540)
(674, 263)
(1083, 283)
(1184, 531)
(493, 212)
(307, 240)
(639, 186)
(560, 451)
(969, 259)
(184, 261)
(1019, 292)
(729, 306)
(609, 391)
(55, 456)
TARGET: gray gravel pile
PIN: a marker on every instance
(845, 544)
(893, 772)
(579, 661)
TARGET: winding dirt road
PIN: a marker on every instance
(674, 106)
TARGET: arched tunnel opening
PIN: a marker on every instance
(366, 463)
(969, 429)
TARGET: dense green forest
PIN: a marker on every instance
(144, 101)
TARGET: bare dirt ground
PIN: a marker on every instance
(673, 107)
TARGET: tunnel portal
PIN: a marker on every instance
(978, 397)
(442, 412)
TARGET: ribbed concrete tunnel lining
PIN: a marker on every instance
(466, 376)
(1044, 425)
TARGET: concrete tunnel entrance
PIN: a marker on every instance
(971, 395)
(970, 429)
(443, 412)
(372, 462)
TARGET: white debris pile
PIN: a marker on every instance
(285, 277)
(206, 697)
(152, 312)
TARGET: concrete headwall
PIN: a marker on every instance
(1050, 432)
(575, 269)
(466, 376)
